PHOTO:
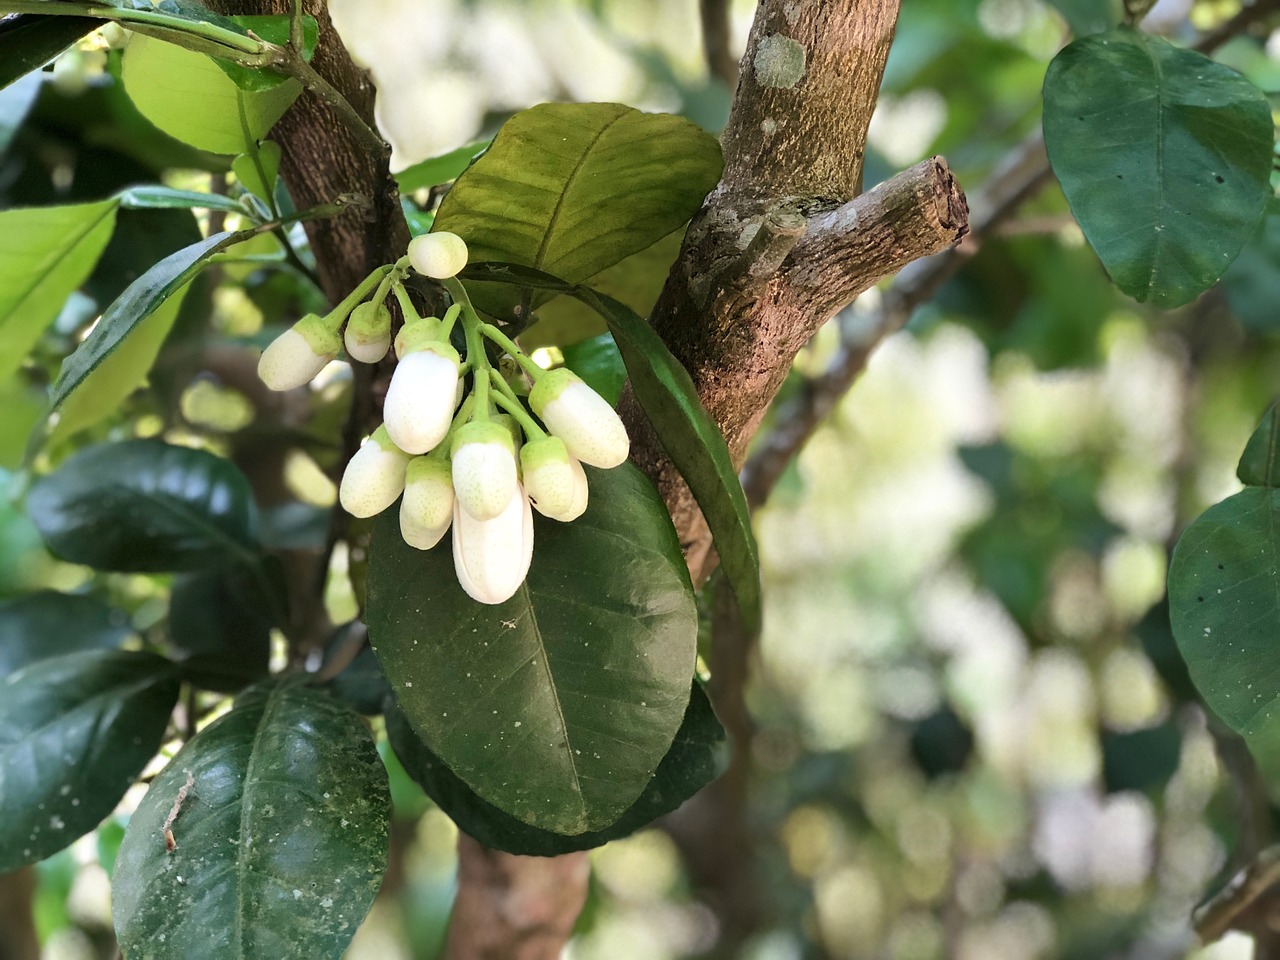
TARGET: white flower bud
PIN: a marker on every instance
(572, 411)
(295, 357)
(368, 333)
(422, 398)
(491, 557)
(427, 508)
(438, 255)
(374, 477)
(484, 468)
(554, 481)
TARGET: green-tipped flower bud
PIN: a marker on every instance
(427, 508)
(374, 477)
(579, 416)
(416, 334)
(554, 481)
(484, 468)
(438, 255)
(297, 355)
(368, 333)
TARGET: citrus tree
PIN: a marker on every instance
(535, 369)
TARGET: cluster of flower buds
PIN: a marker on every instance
(462, 446)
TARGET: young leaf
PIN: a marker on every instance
(146, 506)
(142, 297)
(103, 391)
(689, 765)
(187, 96)
(75, 732)
(46, 253)
(258, 175)
(1260, 465)
(574, 188)
(437, 170)
(558, 705)
(28, 41)
(281, 839)
(1164, 156)
(47, 624)
(686, 431)
(152, 197)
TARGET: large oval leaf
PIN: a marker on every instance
(558, 705)
(48, 623)
(45, 254)
(689, 765)
(146, 506)
(75, 732)
(572, 188)
(1164, 156)
(281, 838)
(190, 98)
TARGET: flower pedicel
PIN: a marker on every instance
(460, 447)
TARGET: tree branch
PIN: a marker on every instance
(716, 41)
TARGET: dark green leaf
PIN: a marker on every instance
(598, 362)
(146, 506)
(219, 622)
(437, 170)
(273, 28)
(558, 705)
(16, 101)
(1165, 158)
(1254, 276)
(689, 765)
(138, 302)
(167, 198)
(29, 41)
(692, 441)
(1088, 16)
(281, 838)
(75, 732)
(1224, 604)
(574, 188)
(45, 254)
(48, 623)
(361, 683)
(1259, 466)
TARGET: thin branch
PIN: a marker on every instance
(1231, 907)
(716, 38)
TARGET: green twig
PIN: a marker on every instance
(505, 397)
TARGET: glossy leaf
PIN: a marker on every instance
(1260, 464)
(153, 197)
(558, 705)
(48, 624)
(146, 506)
(690, 438)
(75, 732)
(142, 298)
(689, 765)
(574, 188)
(281, 839)
(1164, 156)
(190, 98)
(598, 362)
(434, 171)
(46, 253)
(220, 625)
(104, 390)
(29, 41)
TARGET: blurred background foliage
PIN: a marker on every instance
(971, 736)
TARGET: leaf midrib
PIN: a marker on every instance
(108, 209)
(538, 259)
(179, 509)
(1159, 143)
(555, 694)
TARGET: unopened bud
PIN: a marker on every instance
(368, 333)
(374, 477)
(427, 508)
(297, 355)
(591, 430)
(422, 398)
(554, 481)
(491, 557)
(484, 468)
(438, 255)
